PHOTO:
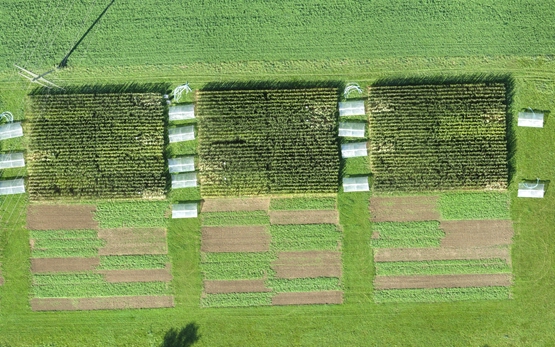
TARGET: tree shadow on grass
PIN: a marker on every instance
(185, 337)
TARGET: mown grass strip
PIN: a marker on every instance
(103, 289)
(305, 237)
(304, 284)
(234, 266)
(490, 205)
(235, 218)
(143, 214)
(441, 294)
(408, 230)
(406, 243)
(69, 243)
(65, 253)
(133, 262)
(236, 300)
(304, 203)
(443, 267)
(63, 234)
(70, 278)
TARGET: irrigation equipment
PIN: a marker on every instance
(351, 87)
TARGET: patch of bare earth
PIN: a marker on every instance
(308, 298)
(243, 204)
(151, 275)
(129, 241)
(63, 264)
(307, 264)
(304, 217)
(425, 254)
(476, 233)
(404, 209)
(53, 304)
(56, 217)
(237, 286)
(104, 303)
(442, 281)
(235, 239)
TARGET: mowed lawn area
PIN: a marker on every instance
(313, 40)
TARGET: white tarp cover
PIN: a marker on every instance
(182, 112)
(355, 184)
(179, 134)
(184, 210)
(531, 190)
(351, 150)
(11, 160)
(181, 164)
(184, 180)
(530, 119)
(10, 130)
(16, 186)
(351, 129)
(351, 108)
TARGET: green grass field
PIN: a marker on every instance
(311, 40)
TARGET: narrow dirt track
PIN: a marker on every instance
(423, 254)
(56, 217)
(63, 264)
(237, 286)
(304, 217)
(476, 233)
(308, 264)
(404, 209)
(104, 303)
(442, 281)
(235, 239)
(308, 298)
(245, 204)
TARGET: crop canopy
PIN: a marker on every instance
(184, 180)
(352, 108)
(351, 129)
(351, 150)
(184, 211)
(16, 186)
(10, 130)
(181, 164)
(355, 184)
(11, 160)
(182, 112)
(530, 119)
(180, 134)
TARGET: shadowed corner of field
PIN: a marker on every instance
(270, 84)
(185, 337)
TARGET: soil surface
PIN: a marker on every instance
(423, 254)
(150, 275)
(246, 204)
(442, 281)
(63, 264)
(304, 217)
(476, 233)
(404, 209)
(56, 217)
(128, 241)
(307, 264)
(235, 239)
(238, 286)
(104, 303)
(308, 298)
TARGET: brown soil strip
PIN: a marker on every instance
(55, 217)
(107, 303)
(63, 264)
(308, 264)
(404, 209)
(235, 239)
(476, 233)
(53, 304)
(118, 276)
(245, 204)
(442, 281)
(304, 217)
(128, 241)
(309, 298)
(424, 254)
(239, 286)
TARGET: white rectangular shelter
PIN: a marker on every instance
(11, 160)
(185, 210)
(180, 134)
(10, 131)
(182, 112)
(351, 108)
(355, 184)
(531, 190)
(351, 129)
(184, 180)
(351, 150)
(530, 119)
(16, 186)
(181, 164)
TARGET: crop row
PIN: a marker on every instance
(443, 267)
(441, 294)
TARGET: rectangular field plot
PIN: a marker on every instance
(438, 137)
(252, 260)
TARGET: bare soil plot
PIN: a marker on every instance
(404, 209)
(308, 298)
(235, 239)
(63, 264)
(243, 204)
(304, 217)
(237, 286)
(424, 254)
(128, 241)
(147, 275)
(105, 303)
(307, 264)
(56, 217)
(442, 281)
(476, 233)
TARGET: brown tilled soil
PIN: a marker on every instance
(442, 281)
(53, 304)
(128, 241)
(308, 298)
(238, 286)
(55, 217)
(235, 239)
(304, 217)
(118, 276)
(404, 209)
(424, 254)
(63, 264)
(307, 264)
(476, 233)
(105, 303)
(244, 204)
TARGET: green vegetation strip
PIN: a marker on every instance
(406, 243)
(443, 267)
(441, 294)
(74, 290)
(234, 266)
(491, 205)
(71, 278)
(65, 253)
(304, 203)
(304, 284)
(133, 262)
(236, 300)
(142, 214)
(235, 218)
(69, 243)
(408, 230)
(305, 237)
(63, 234)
